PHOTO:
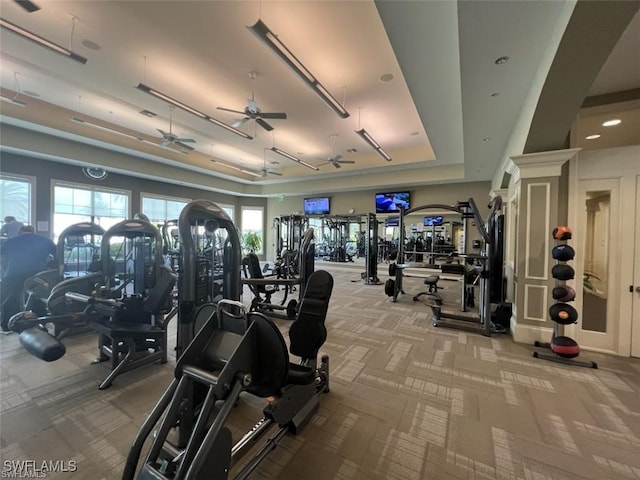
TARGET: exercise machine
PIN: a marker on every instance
(236, 352)
(370, 275)
(261, 286)
(127, 307)
(484, 264)
(77, 255)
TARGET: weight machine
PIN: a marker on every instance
(370, 275)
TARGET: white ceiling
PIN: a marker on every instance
(443, 93)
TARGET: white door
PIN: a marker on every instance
(605, 214)
(635, 287)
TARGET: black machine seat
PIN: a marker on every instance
(252, 270)
(432, 282)
(307, 332)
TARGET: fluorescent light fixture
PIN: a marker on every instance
(43, 42)
(14, 100)
(592, 137)
(236, 167)
(104, 128)
(612, 123)
(271, 40)
(193, 111)
(375, 145)
(295, 159)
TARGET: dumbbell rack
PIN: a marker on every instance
(554, 357)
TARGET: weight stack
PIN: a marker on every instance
(564, 348)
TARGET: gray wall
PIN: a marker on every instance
(44, 171)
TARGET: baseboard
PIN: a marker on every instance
(530, 333)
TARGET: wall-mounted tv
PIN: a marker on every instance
(392, 222)
(316, 206)
(392, 202)
(432, 221)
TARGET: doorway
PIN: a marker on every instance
(604, 208)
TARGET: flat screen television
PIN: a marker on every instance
(432, 221)
(392, 202)
(316, 206)
(392, 222)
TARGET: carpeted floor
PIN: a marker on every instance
(408, 401)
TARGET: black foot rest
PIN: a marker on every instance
(300, 375)
(40, 344)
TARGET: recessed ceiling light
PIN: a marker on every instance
(386, 77)
(495, 94)
(593, 137)
(486, 139)
(612, 123)
(501, 60)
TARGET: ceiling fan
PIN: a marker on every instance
(169, 137)
(267, 171)
(336, 160)
(253, 112)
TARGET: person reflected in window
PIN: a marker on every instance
(21, 257)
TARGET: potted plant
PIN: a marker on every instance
(252, 241)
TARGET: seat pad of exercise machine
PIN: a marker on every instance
(41, 344)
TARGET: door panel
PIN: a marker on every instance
(635, 308)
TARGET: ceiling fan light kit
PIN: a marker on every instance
(43, 42)
(162, 96)
(295, 159)
(271, 40)
(375, 145)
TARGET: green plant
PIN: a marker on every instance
(252, 241)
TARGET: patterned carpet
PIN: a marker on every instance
(408, 401)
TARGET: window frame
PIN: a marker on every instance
(262, 232)
(161, 197)
(84, 186)
(31, 180)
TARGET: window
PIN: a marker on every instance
(252, 221)
(15, 197)
(159, 208)
(85, 203)
(229, 209)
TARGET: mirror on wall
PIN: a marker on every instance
(596, 260)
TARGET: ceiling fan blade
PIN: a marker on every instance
(264, 124)
(231, 110)
(273, 115)
(164, 134)
(336, 164)
(272, 172)
(239, 123)
(346, 161)
(183, 145)
(28, 5)
(186, 140)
